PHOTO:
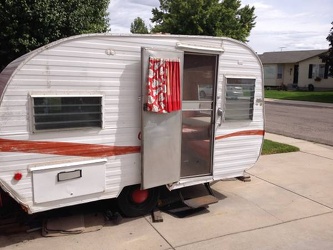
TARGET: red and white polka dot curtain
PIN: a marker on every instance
(163, 85)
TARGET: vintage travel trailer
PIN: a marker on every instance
(101, 116)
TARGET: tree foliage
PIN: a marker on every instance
(328, 57)
(29, 24)
(204, 17)
(138, 26)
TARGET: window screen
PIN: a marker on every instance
(67, 112)
(239, 99)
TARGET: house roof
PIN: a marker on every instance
(289, 56)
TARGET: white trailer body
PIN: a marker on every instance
(74, 127)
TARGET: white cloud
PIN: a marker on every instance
(292, 24)
(123, 13)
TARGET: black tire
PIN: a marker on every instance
(129, 208)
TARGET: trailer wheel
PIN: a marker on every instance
(133, 201)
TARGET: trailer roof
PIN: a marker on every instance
(11, 68)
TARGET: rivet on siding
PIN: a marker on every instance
(110, 52)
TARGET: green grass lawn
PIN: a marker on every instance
(325, 96)
(271, 147)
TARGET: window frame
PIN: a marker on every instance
(251, 117)
(279, 71)
(317, 70)
(32, 111)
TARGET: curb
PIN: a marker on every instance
(299, 103)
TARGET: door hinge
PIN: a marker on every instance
(259, 101)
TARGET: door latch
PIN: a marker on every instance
(220, 114)
(145, 107)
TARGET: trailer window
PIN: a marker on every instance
(239, 99)
(66, 112)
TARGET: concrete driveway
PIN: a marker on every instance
(287, 205)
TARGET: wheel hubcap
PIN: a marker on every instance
(139, 196)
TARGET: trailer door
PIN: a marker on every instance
(161, 116)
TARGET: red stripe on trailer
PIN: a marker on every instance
(87, 150)
(65, 148)
(242, 133)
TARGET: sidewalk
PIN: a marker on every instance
(287, 205)
(299, 103)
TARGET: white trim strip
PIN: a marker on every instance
(190, 181)
(46, 166)
(65, 95)
(218, 50)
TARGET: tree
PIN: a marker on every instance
(139, 26)
(328, 57)
(29, 24)
(204, 17)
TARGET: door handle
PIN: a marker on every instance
(220, 114)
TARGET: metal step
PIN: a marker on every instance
(187, 201)
(201, 201)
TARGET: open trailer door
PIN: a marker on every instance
(161, 116)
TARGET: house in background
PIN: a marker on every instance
(296, 69)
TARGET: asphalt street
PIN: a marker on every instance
(300, 120)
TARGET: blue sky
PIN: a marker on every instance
(280, 24)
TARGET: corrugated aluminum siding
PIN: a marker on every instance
(235, 154)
